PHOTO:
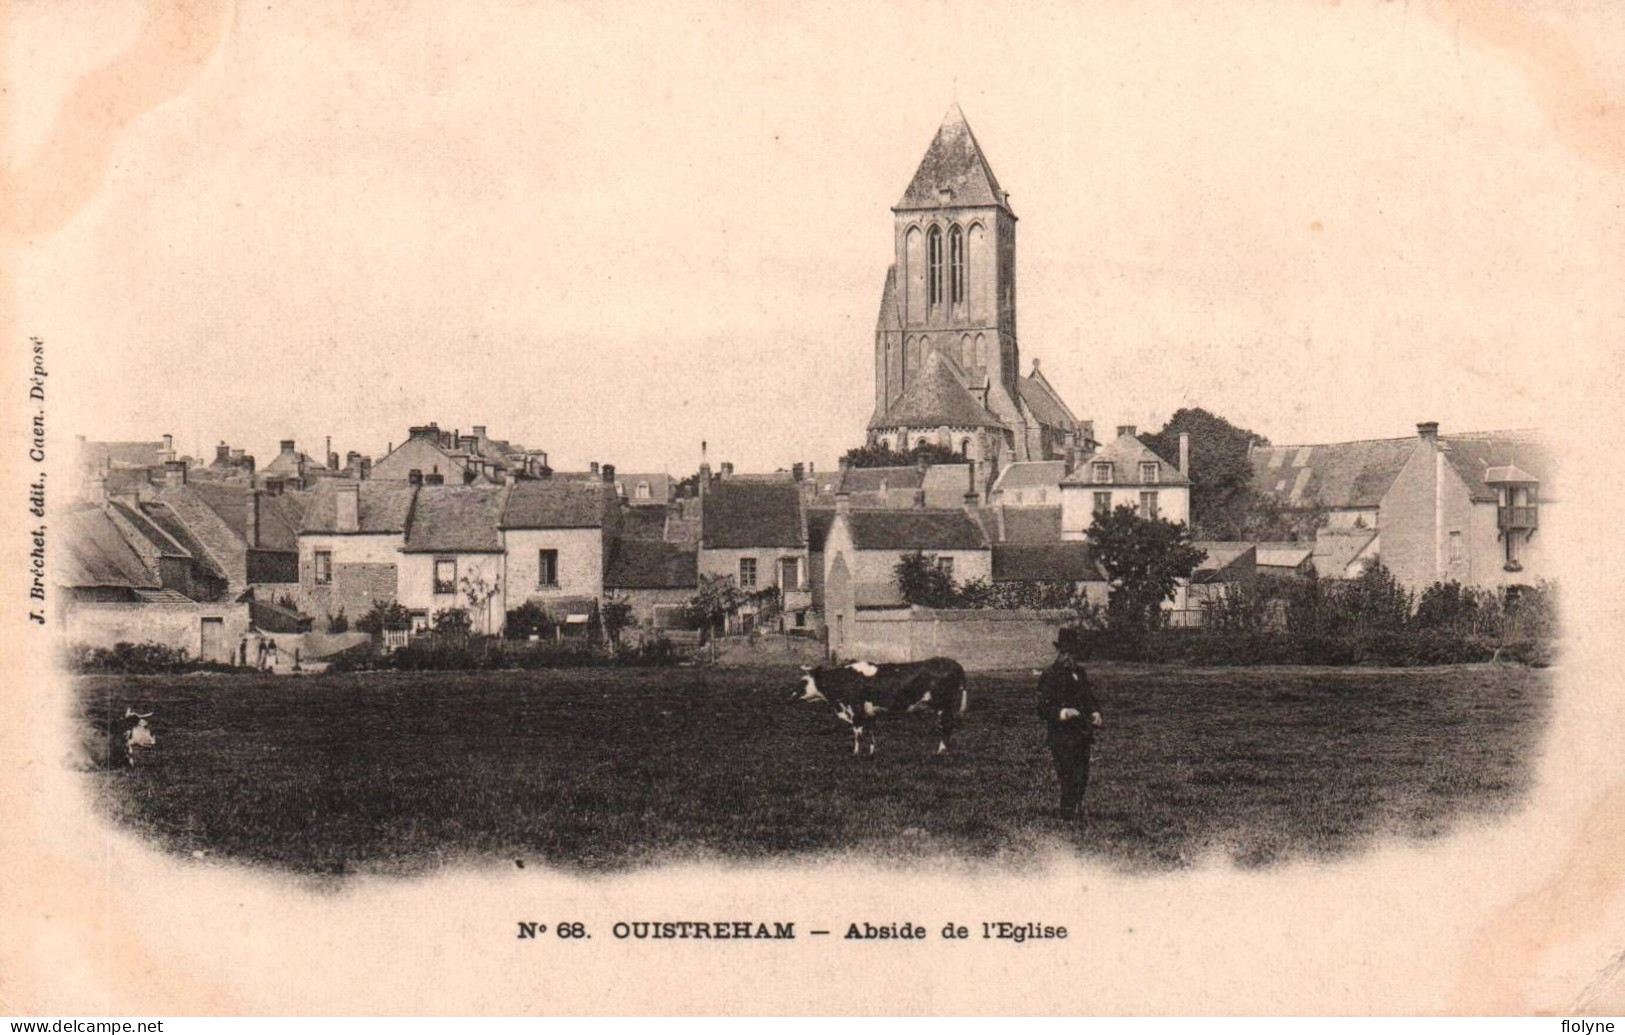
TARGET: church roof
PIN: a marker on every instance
(954, 162)
(1045, 401)
(936, 398)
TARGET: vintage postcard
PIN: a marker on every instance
(1040, 508)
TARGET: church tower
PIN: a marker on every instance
(947, 362)
(952, 287)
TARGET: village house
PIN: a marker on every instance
(1030, 483)
(1432, 507)
(350, 539)
(863, 547)
(1126, 472)
(755, 532)
(454, 556)
(557, 537)
(657, 578)
(122, 579)
(431, 456)
(292, 468)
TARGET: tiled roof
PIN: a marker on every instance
(953, 161)
(936, 397)
(643, 523)
(649, 564)
(747, 514)
(1335, 551)
(1071, 562)
(1031, 526)
(1473, 456)
(383, 507)
(280, 516)
(856, 480)
(177, 529)
(549, 503)
(1031, 474)
(1045, 401)
(97, 554)
(149, 529)
(659, 487)
(1337, 475)
(1126, 455)
(456, 519)
(1224, 561)
(915, 530)
(128, 454)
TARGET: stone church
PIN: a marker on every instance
(947, 362)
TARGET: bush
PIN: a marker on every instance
(134, 659)
(338, 623)
(527, 620)
(391, 616)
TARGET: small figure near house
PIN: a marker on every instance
(270, 654)
(242, 652)
(1068, 708)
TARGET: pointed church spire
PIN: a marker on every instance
(954, 164)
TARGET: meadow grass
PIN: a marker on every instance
(597, 769)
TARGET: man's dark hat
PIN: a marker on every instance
(1069, 640)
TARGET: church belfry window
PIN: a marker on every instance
(933, 280)
(956, 266)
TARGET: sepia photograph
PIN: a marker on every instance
(1007, 491)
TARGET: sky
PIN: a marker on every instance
(614, 231)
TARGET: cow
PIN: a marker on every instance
(114, 744)
(862, 693)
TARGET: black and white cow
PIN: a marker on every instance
(113, 744)
(862, 693)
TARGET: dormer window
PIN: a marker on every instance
(1150, 472)
(643, 490)
(1102, 472)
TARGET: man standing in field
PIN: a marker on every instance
(1067, 706)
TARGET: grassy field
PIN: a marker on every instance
(595, 769)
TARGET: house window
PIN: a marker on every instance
(790, 573)
(420, 621)
(445, 575)
(747, 573)
(1150, 472)
(1103, 503)
(1102, 473)
(933, 280)
(547, 568)
(1148, 504)
(1455, 547)
(1511, 539)
(956, 266)
(946, 566)
(643, 490)
(323, 567)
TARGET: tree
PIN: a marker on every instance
(1144, 558)
(527, 620)
(616, 614)
(877, 455)
(453, 624)
(385, 615)
(479, 594)
(717, 598)
(1225, 504)
(921, 581)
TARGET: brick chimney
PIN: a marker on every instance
(251, 519)
(1428, 431)
(468, 443)
(222, 454)
(609, 473)
(592, 468)
(365, 468)
(286, 448)
(727, 469)
(798, 471)
(347, 507)
(479, 431)
(174, 474)
(1185, 453)
(169, 448)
